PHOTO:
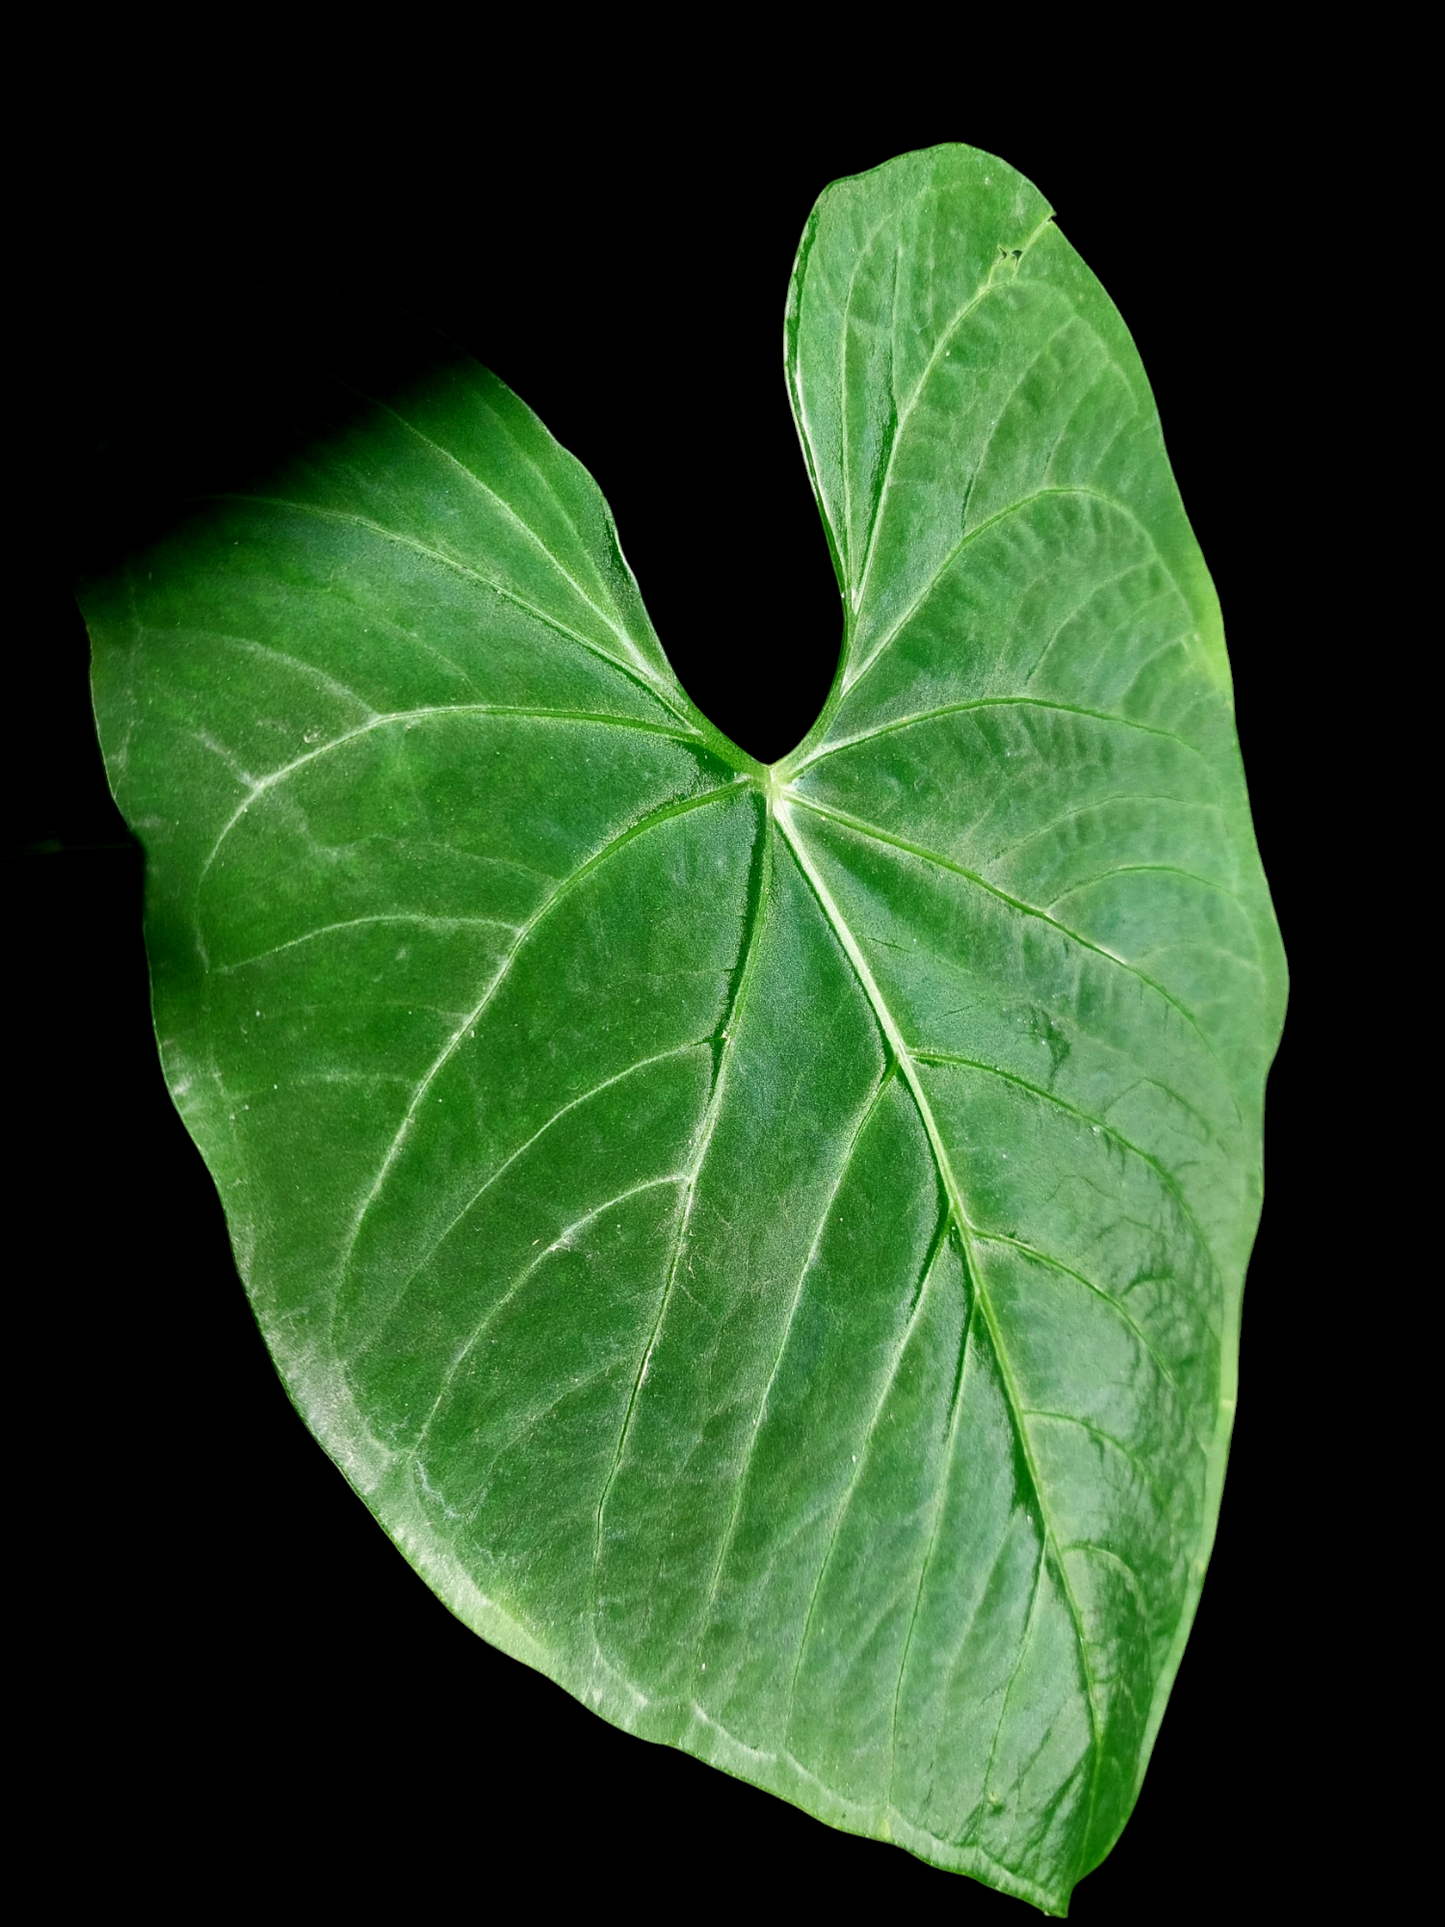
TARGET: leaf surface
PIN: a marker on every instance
(766, 1243)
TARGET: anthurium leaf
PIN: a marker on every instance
(766, 1243)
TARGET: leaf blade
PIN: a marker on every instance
(767, 1245)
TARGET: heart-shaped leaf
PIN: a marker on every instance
(766, 1243)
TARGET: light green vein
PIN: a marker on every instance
(909, 1070)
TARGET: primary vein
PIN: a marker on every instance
(945, 334)
(908, 1067)
(661, 815)
(757, 915)
(261, 784)
(634, 674)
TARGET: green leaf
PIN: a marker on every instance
(766, 1243)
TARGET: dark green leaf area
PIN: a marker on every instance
(767, 1244)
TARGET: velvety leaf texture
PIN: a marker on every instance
(766, 1243)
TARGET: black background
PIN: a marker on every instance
(243, 1685)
